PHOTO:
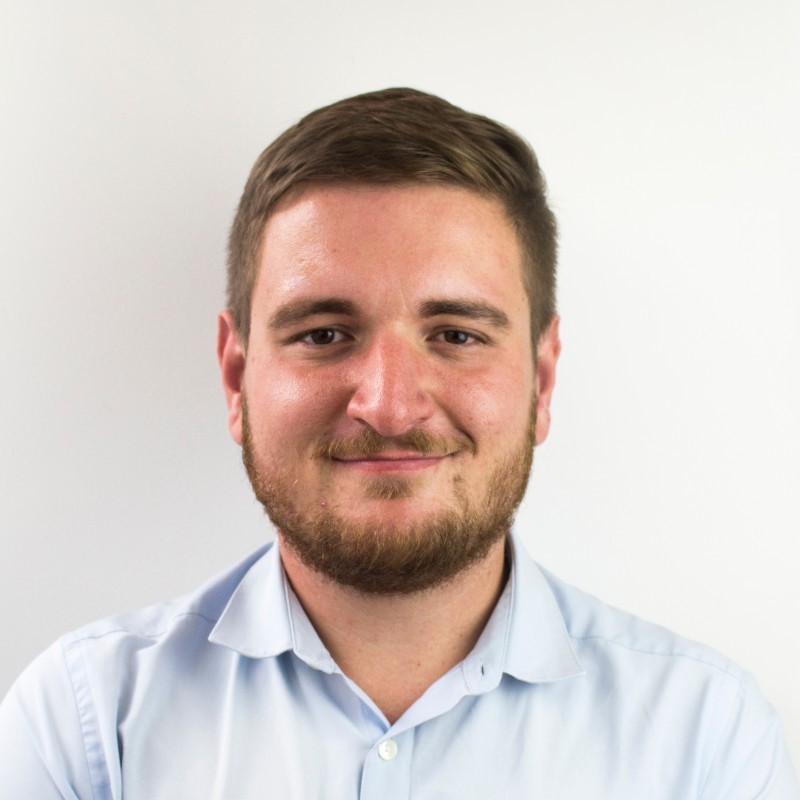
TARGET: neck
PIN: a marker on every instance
(395, 646)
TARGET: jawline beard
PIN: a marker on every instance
(382, 560)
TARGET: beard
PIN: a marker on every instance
(394, 558)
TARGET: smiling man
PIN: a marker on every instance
(404, 344)
(388, 357)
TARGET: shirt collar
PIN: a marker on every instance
(538, 648)
(256, 621)
(264, 618)
(525, 637)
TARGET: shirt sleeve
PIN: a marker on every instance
(42, 749)
(751, 761)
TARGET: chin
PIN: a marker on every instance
(395, 517)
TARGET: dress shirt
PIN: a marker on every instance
(229, 694)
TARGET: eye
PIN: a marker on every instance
(322, 336)
(457, 337)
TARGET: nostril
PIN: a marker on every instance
(390, 414)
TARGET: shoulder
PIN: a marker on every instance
(151, 644)
(60, 722)
(693, 697)
(114, 652)
(195, 612)
(593, 625)
(203, 606)
(680, 696)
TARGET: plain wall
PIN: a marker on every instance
(669, 135)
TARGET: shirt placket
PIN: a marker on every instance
(387, 768)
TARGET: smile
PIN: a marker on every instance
(391, 462)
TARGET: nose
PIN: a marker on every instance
(390, 395)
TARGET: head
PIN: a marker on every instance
(399, 137)
(390, 342)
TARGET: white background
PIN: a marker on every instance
(670, 136)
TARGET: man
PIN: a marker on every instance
(388, 357)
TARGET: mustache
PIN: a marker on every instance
(369, 443)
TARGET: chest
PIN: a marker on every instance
(312, 737)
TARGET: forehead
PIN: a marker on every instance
(377, 241)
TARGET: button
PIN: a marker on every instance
(387, 749)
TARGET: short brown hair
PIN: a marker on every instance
(399, 136)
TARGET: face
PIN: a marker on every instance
(387, 399)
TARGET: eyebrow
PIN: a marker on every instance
(296, 311)
(471, 309)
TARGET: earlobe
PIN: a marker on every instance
(548, 351)
(231, 356)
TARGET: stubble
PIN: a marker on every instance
(393, 559)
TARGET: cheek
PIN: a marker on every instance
(289, 409)
(496, 406)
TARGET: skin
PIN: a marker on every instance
(391, 358)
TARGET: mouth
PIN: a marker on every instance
(381, 463)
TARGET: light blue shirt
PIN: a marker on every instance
(229, 693)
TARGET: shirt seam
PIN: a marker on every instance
(75, 639)
(97, 771)
(735, 674)
(36, 744)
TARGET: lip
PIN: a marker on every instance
(391, 462)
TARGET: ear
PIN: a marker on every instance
(547, 352)
(231, 356)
